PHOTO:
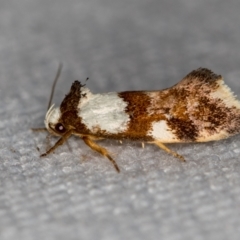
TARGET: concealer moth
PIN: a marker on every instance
(200, 108)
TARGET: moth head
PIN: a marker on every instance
(52, 121)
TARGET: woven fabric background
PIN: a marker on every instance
(120, 45)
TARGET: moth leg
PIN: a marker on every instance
(39, 129)
(48, 137)
(162, 146)
(94, 146)
(58, 143)
(69, 147)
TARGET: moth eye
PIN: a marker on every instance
(60, 128)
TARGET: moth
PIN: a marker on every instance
(200, 108)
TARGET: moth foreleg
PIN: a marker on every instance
(94, 146)
(168, 150)
(62, 140)
(39, 129)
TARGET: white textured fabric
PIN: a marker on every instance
(120, 45)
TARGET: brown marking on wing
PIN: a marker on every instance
(172, 104)
(70, 119)
(69, 109)
(71, 100)
(140, 123)
(193, 111)
(217, 116)
(211, 113)
(201, 76)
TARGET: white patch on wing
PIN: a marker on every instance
(224, 93)
(87, 95)
(205, 136)
(160, 131)
(103, 111)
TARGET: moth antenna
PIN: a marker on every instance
(54, 84)
(86, 80)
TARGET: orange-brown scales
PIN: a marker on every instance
(199, 108)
